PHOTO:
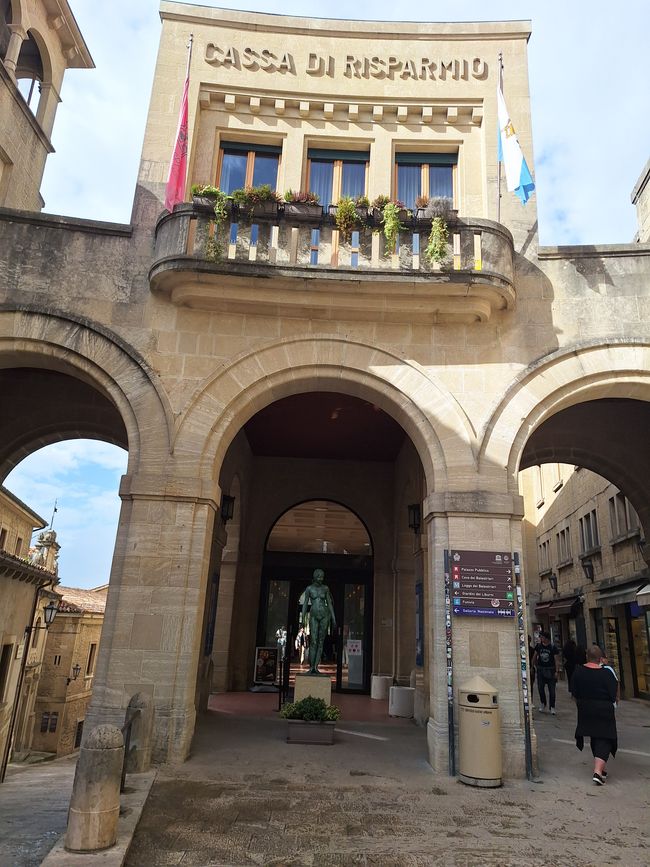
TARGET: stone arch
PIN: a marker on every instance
(73, 346)
(586, 372)
(426, 411)
(44, 54)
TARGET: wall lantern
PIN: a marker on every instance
(227, 508)
(588, 569)
(414, 517)
(552, 580)
(76, 671)
(50, 611)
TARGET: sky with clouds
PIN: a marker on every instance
(591, 129)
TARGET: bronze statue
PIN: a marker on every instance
(321, 614)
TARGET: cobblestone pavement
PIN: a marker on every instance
(371, 799)
(34, 810)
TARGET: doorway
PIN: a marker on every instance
(321, 535)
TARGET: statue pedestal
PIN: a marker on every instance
(318, 687)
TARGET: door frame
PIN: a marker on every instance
(340, 569)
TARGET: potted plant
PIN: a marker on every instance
(435, 206)
(345, 217)
(310, 721)
(205, 195)
(436, 249)
(256, 202)
(302, 205)
(391, 219)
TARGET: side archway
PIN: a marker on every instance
(110, 392)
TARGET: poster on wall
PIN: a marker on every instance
(266, 664)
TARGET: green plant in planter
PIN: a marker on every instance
(380, 202)
(362, 201)
(392, 225)
(248, 198)
(436, 250)
(301, 197)
(212, 246)
(206, 190)
(310, 709)
(346, 216)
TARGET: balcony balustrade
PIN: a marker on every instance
(282, 266)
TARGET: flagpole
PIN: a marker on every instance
(499, 86)
(189, 54)
(53, 514)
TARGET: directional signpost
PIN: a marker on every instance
(482, 584)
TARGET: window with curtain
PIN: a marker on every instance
(333, 174)
(247, 165)
(421, 174)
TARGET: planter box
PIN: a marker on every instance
(203, 203)
(403, 215)
(303, 732)
(450, 216)
(263, 211)
(303, 212)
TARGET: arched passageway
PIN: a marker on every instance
(325, 479)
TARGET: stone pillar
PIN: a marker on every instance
(155, 607)
(47, 107)
(18, 36)
(141, 708)
(482, 646)
(95, 802)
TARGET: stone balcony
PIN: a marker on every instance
(281, 267)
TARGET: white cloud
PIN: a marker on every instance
(82, 476)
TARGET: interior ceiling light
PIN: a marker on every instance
(335, 413)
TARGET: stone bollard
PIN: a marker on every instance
(95, 802)
(138, 758)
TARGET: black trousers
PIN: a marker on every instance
(601, 748)
(543, 681)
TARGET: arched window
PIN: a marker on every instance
(29, 72)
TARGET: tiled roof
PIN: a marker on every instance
(77, 601)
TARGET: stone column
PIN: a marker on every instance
(95, 802)
(18, 36)
(155, 606)
(482, 646)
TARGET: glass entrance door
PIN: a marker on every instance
(352, 650)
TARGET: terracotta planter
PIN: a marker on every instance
(307, 732)
(303, 212)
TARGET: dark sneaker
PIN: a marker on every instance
(600, 781)
(604, 775)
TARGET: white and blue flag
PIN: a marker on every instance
(518, 177)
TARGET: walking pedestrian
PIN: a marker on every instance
(547, 662)
(594, 689)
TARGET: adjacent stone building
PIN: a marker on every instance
(588, 580)
(24, 593)
(68, 670)
(275, 377)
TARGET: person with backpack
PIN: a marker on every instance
(546, 660)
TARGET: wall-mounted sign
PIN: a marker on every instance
(391, 66)
(482, 584)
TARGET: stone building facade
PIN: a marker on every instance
(588, 580)
(24, 594)
(68, 670)
(279, 363)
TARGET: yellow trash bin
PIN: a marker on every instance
(479, 734)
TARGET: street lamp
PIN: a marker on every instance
(50, 612)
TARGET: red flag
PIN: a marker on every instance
(175, 190)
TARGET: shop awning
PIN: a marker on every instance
(558, 606)
(618, 595)
(643, 596)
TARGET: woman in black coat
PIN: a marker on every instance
(594, 689)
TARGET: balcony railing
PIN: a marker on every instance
(307, 270)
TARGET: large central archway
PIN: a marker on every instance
(324, 479)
